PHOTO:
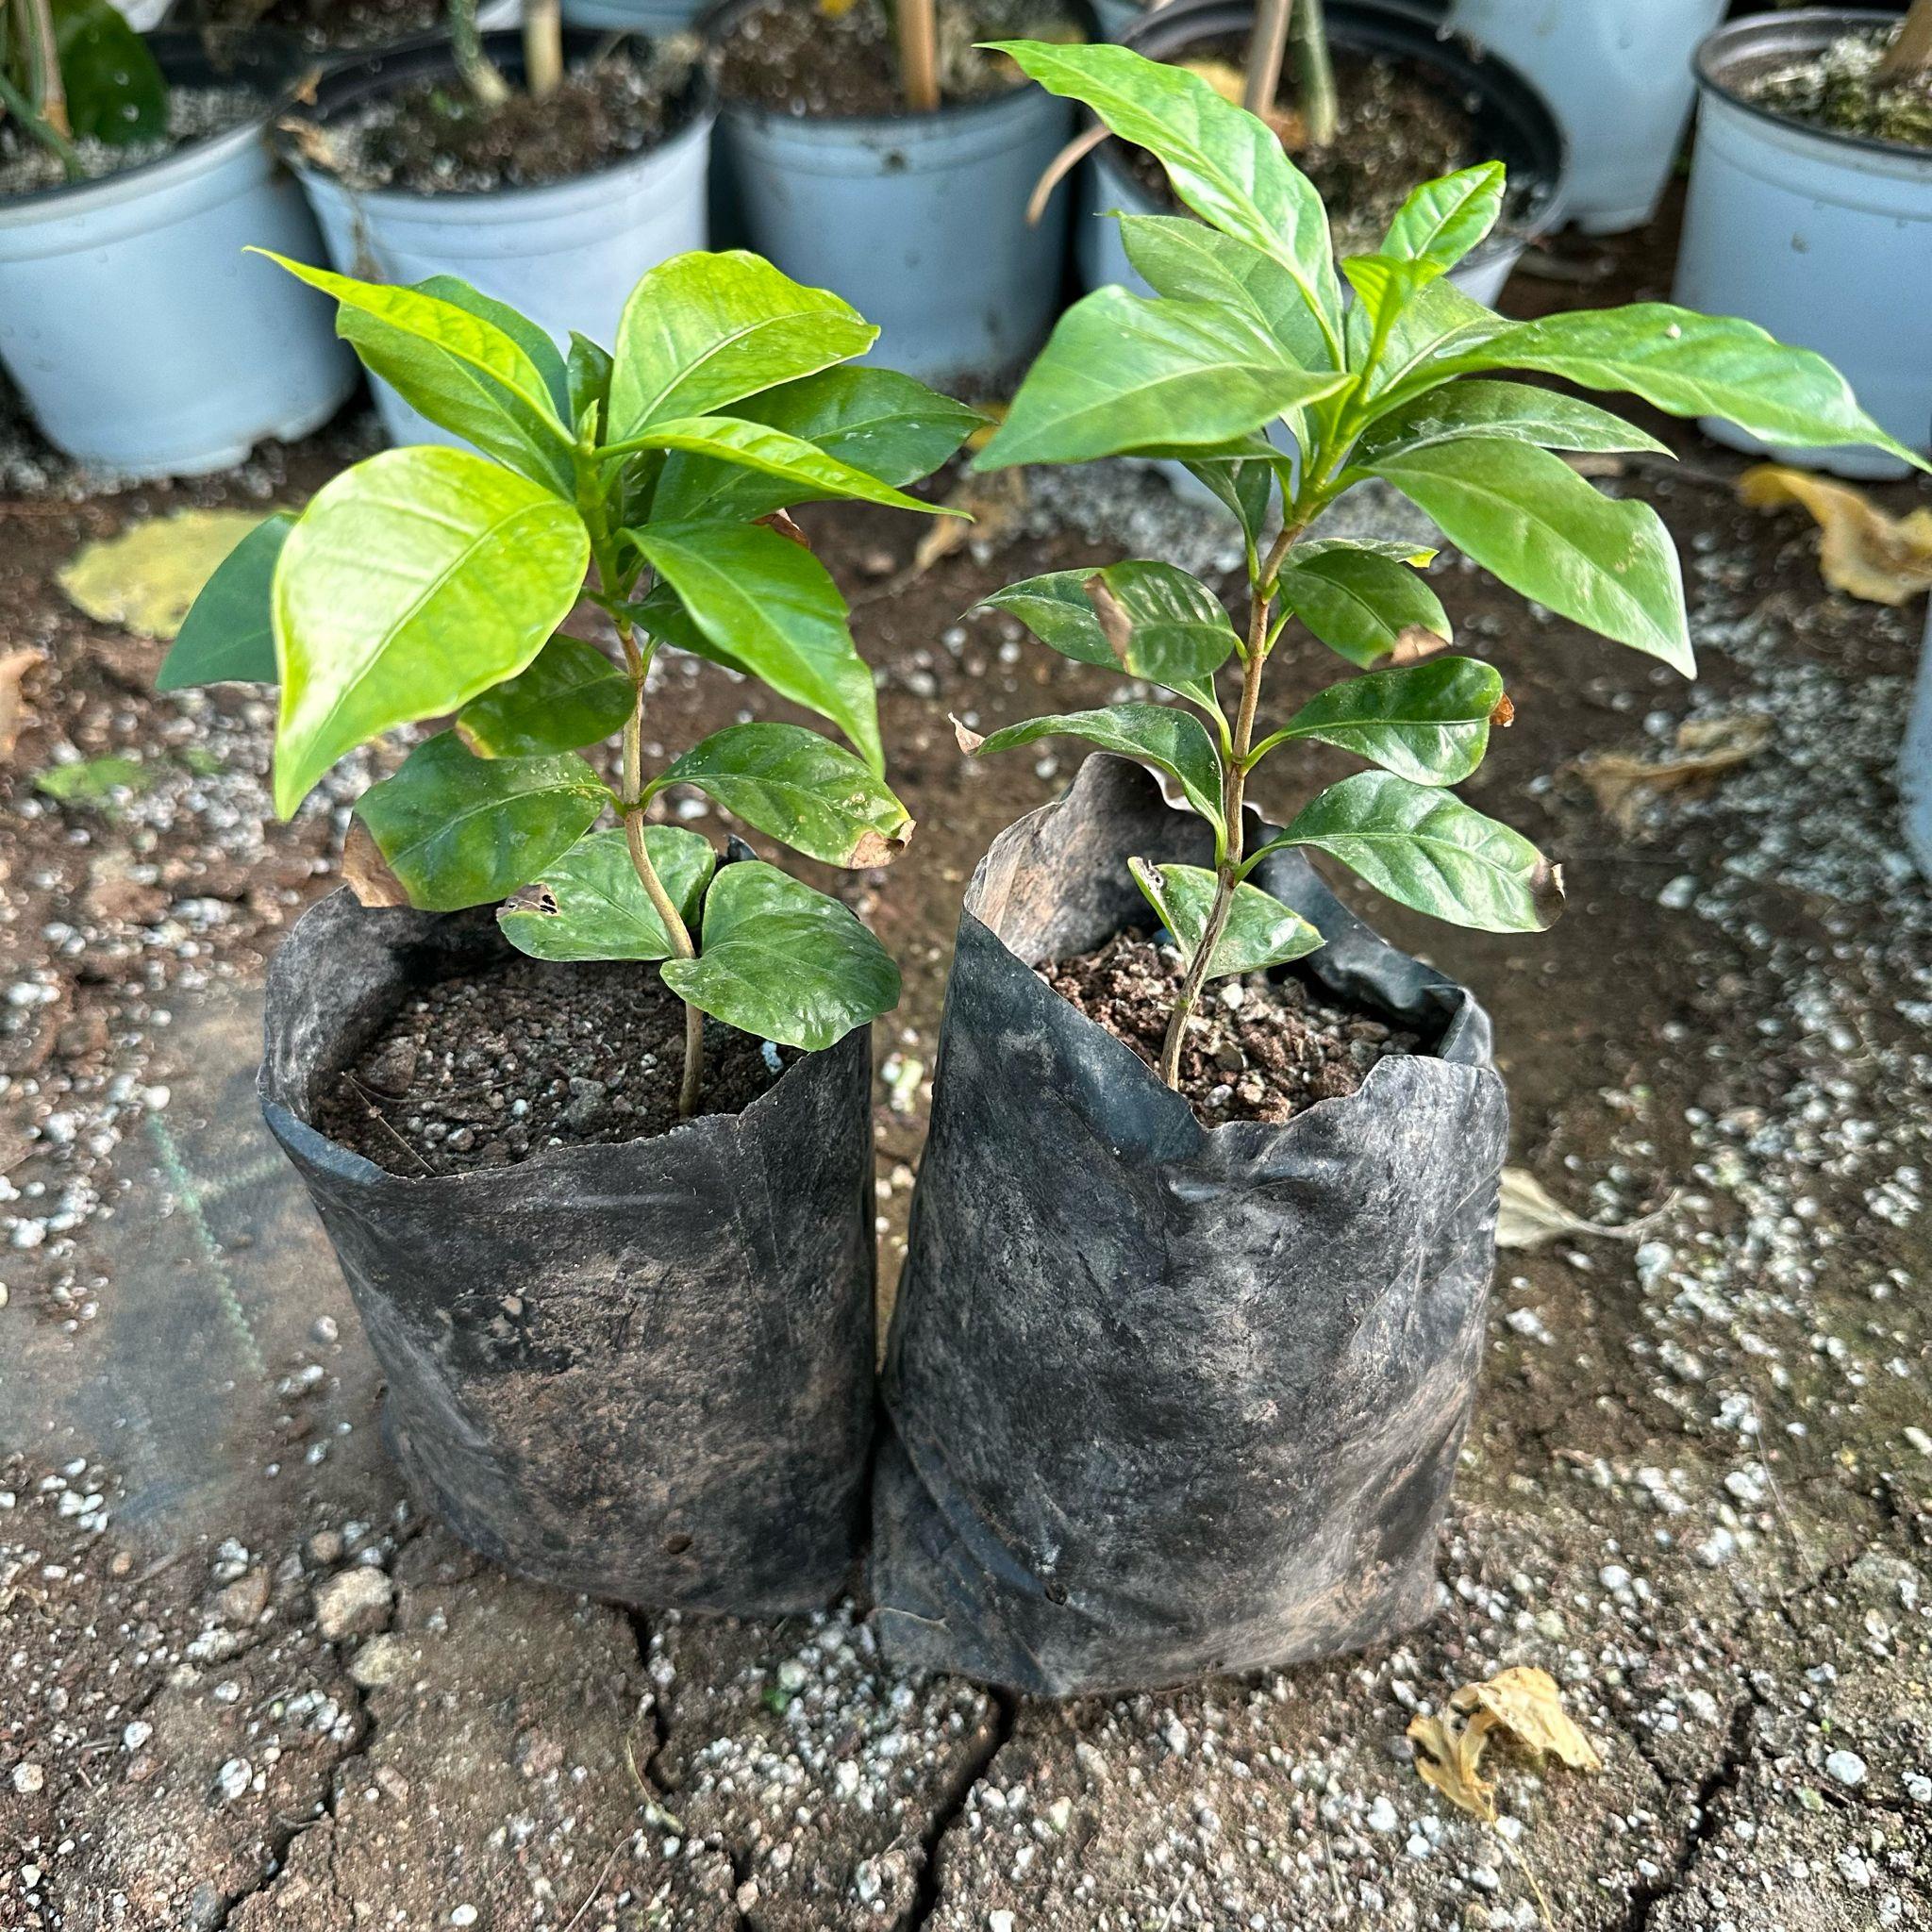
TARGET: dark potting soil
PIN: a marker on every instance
(486, 1070)
(1839, 89)
(1398, 125)
(194, 114)
(434, 138)
(1261, 1049)
(815, 57)
(317, 23)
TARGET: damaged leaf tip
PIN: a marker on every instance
(970, 740)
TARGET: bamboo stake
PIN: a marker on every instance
(542, 46)
(1266, 50)
(46, 87)
(1314, 73)
(1911, 52)
(919, 54)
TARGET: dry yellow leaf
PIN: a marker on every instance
(995, 504)
(145, 578)
(1229, 82)
(365, 870)
(1446, 1755)
(1707, 747)
(1864, 551)
(1521, 1700)
(13, 667)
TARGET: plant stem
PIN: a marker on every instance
(487, 86)
(919, 74)
(1262, 80)
(21, 110)
(46, 87)
(542, 46)
(1314, 73)
(1911, 52)
(1234, 781)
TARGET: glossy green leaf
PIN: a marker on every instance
(1188, 261)
(1423, 848)
(229, 633)
(1173, 741)
(411, 583)
(1443, 220)
(800, 788)
(874, 420)
(1518, 411)
(1385, 286)
(1439, 325)
(783, 962)
(116, 93)
(593, 906)
(1123, 374)
(533, 341)
(1531, 518)
(1261, 931)
(456, 366)
(1358, 598)
(458, 830)
(761, 604)
(572, 695)
(1223, 163)
(1246, 487)
(703, 330)
(1694, 365)
(587, 377)
(1428, 723)
(803, 468)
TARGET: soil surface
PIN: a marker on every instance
(194, 114)
(318, 24)
(1261, 1048)
(1839, 89)
(434, 138)
(823, 60)
(1398, 125)
(485, 1070)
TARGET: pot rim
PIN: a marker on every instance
(717, 17)
(1795, 33)
(1547, 195)
(424, 55)
(276, 68)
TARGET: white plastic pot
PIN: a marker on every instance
(143, 337)
(1823, 239)
(918, 219)
(1915, 766)
(1618, 75)
(566, 253)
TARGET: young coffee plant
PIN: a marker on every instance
(74, 67)
(1249, 329)
(654, 480)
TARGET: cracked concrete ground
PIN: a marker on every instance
(243, 1683)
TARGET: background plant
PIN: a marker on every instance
(1248, 329)
(654, 478)
(74, 67)
(543, 51)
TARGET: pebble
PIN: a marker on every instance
(28, 1778)
(463, 1915)
(233, 1779)
(1845, 1768)
(354, 1603)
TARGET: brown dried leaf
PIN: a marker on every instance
(1521, 1700)
(365, 870)
(1415, 643)
(1864, 551)
(780, 521)
(994, 503)
(1116, 626)
(1228, 81)
(1707, 747)
(1527, 1216)
(1447, 1751)
(14, 666)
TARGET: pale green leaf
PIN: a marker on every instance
(1443, 220)
(1428, 723)
(591, 904)
(570, 696)
(1358, 598)
(1261, 931)
(1170, 741)
(1519, 411)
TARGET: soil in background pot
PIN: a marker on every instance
(800, 58)
(487, 1068)
(1399, 123)
(194, 114)
(329, 23)
(1838, 88)
(1261, 1049)
(433, 137)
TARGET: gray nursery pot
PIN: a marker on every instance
(142, 336)
(633, 16)
(566, 253)
(918, 219)
(1166, 1400)
(1823, 239)
(641, 1370)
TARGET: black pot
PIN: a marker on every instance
(641, 1370)
(1514, 124)
(1166, 1400)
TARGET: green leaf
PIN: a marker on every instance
(761, 604)
(1122, 375)
(1694, 365)
(1428, 723)
(1439, 325)
(534, 341)
(1384, 286)
(1173, 741)
(115, 90)
(783, 962)
(803, 468)
(411, 583)
(458, 830)
(587, 377)
(228, 634)
(1531, 518)
(703, 330)
(1443, 220)
(594, 905)
(449, 360)
(874, 420)
(1247, 489)
(1188, 261)
(572, 695)
(1224, 163)
(1261, 931)
(800, 788)
(93, 781)
(1358, 599)
(1519, 411)
(1423, 848)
